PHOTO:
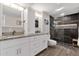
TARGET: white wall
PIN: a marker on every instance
(29, 25)
(40, 25)
(31, 21)
(25, 22)
(0, 20)
(45, 28)
(38, 16)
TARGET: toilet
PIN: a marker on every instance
(52, 42)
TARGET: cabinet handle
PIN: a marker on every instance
(20, 51)
(17, 51)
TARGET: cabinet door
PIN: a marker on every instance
(34, 44)
(21, 50)
(24, 50)
(43, 42)
(10, 51)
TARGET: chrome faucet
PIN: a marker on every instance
(13, 33)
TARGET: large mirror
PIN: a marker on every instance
(12, 23)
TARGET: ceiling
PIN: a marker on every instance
(11, 11)
(68, 8)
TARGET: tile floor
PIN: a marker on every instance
(60, 50)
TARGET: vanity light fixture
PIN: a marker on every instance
(38, 14)
(15, 6)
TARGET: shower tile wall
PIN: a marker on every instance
(65, 35)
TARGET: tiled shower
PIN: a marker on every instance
(65, 28)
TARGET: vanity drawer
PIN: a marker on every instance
(13, 42)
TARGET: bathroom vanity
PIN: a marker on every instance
(23, 45)
(19, 36)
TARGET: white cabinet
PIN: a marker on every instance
(38, 43)
(15, 47)
(24, 50)
(16, 51)
(27, 46)
(13, 51)
(43, 42)
(33, 45)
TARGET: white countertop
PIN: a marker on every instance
(2, 38)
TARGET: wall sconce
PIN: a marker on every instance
(46, 21)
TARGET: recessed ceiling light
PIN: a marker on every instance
(60, 9)
(62, 14)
